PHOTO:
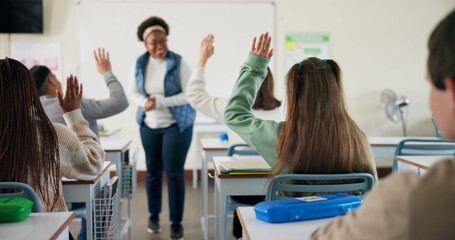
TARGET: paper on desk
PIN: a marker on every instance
(245, 165)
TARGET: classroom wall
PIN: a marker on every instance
(379, 44)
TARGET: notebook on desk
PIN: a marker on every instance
(245, 166)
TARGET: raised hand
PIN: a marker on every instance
(206, 50)
(262, 47)
(150, 104)
(103, 63)
(73, 96)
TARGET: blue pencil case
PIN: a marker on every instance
(306, 208)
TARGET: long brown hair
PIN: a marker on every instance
(319, 136)
(264, 97)
(28, 142)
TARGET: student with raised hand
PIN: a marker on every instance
(407, 206)
(37, 152)
(92, 109)
(318, 135)
(266, 106)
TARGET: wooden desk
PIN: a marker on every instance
(42, 225)
(254, 229)
(417, 164)
(234, 185)
(85, 191)
(210, 147)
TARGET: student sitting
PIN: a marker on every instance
(407, 206)
(318, 135)
(92, 109)
(37, 152)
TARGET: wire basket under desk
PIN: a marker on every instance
(129, 179)
(106, 216)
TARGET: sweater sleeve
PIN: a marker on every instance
(259, 134)
(134, 93)
(116, 103)
(177, 99)
(383, 215)
(81, 155)
(199, 98)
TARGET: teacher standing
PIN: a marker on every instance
(157, 85)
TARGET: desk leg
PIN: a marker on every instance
(89, 211)
(220, 205)
(194, 177)
(204, 202)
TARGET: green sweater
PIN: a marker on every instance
(259, 134)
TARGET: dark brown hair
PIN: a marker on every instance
(318, 135)
(441, 60)
(151, 21)
(28, 141)
(264, 97)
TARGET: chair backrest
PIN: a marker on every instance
(295, 183)
(26, 192)
(240, 149)
(423, 147)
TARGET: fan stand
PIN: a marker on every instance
(403, 124)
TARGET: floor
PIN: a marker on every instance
(191, 220)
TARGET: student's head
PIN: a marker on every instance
(319, 136)
(45, 80)
(28, 142)
(441, 75)
(264, 97)
(153, 31)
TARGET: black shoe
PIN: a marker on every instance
(176, 232)
(154, 226)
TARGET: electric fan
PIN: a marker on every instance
(394, 107)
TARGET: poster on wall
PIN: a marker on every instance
(31, 53)
(303, 45)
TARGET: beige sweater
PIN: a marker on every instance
(81, 155)
(403, 206)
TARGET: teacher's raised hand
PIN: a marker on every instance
(262, 47)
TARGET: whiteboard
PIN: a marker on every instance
(113, 25)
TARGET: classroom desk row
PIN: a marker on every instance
(255, 184)
(42, 225)
(382, 148)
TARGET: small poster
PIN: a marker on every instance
(303, 45)
(31, 53)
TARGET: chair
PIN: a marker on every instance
(26, 192)
(231, 205)
(286, 183)
(423, 147)
(241, 149)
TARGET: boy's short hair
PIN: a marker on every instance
(441, 59)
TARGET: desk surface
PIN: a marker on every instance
(67, 181)
(423, 162)
(214, 144)
(255, 229)
(115, 145)
(217, 160)
(37, 226)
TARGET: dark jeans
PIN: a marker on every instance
(251, 200)
(166, 149)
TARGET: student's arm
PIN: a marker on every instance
(196, 94)
(81, 155)
(177, 99)
(260, 134)
(116, 103)
(383, 215)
